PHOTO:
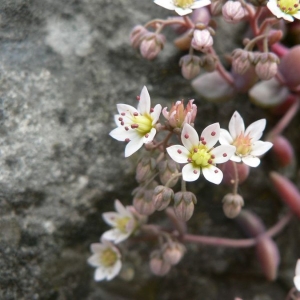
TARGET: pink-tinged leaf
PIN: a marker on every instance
(287, 191)
(283, 150)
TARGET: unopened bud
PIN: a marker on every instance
(183, 42)
(184, 203)
(232, 205)
(241, 60)
(144, 169)
(283, 150)
(190, 66)
(173, 252)
(151, 45)
(162, 197)
(209, 63)
(168, 170)
(216, 7)
(202, 40)
(137, 34)
(158, 265)
(142, 201)
(233, 11)
(267, 66)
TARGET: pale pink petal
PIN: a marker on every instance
(121, 209)
(189, 137)
(251, 161)
(236, 125)
(297, 282)
(222, 153)
(201, 3)
(225, 137)
(165, 113)
(133, 146)
(114, 271)
(190, 173)
(213, 174)
(127, 109)
(260, 147)
(150, 136)
(236, 158)
(144, 102)
(183, 11)
(97, 247)
(110, 218)
(94, 260)
(100, 274)
(167, 4)
(297, 270)
(211, 135)
(156, 113)
(178, 153)
(256, 129)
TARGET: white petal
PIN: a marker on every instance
(110, 218)
(100, 274)
(297, 270)
(127, 109)
(115, 270)
(178, 153)
(236, 125)
(297, 15)
(150, 136)
(211, 135)
(222, 153)
(122, 237)
(213, 174)
(256, 129)
(112, 234)
(133, 146)
(225, 137)
(297, 282)
(144, 102)
(201, 3)
(121, 209)
(251, 161)
(260, 147)
(189, 137)
(165, 4)
(235, 158)
(287, 17)
(94, 260)
(156, 113)
(119, 134)
(183, 11)
(97, 247)
(189, 173)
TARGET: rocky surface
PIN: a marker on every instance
(63, 67)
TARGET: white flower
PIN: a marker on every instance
(136, 126)
(286, 9)
(247, 143)
(200, 154)
(122, 221)
(107, 259)
(297, 277)
(182, 7)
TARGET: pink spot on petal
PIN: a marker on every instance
(216, 171)
(195, 172)
(209, 161)
(213, 133)
(202, 138)
(186, 136)
(224, 154)
(135, 114)
(126, 128)
(127, 140)
(151, 109)
(138, 98)
(203, 142)
(146, 135)
(123, 114)
(212, 156)
(179, 151)
(133, 126)
(122, 123)
(120, 119)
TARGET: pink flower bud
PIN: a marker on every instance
(267, 66)
(216, 7)
(144, 169)
(229, 172)
(173, 252)
(287, 191)
(232, 205)
(162, 197)
(233, 11)
(151, 45)
(201, 15)
(241, 60)
(202, 40)
(283, 150)
(184, 205)
(168, 169)
(183, 42)
(142, 201)
(158, 265)
(209, 63)
(268, 256)
(137, 34)
(190, 66)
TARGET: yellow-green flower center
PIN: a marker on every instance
(184, 3)
(288, 6)
(122, 224)
(108, 258)
(200, 157)
(243, 145)
(144, 124)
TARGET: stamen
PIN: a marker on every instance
(209, 161)
(189, 160)
(138, 98)
(133, 126)
(127, 140)
(120, 119)
(146, 135)
(135, 114)
(122, 123)
(151, 109)
(202, 139)
(212, 156)
(126, 128)
(203, 142)
(195, 150)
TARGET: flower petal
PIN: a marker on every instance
(150, 136)
(260, 147)
(165, 4)
(236, 125)
(222, 153)
(121, 209)
(225, 137)
(256, 129)
(201, 3)
(236, 158)
(97, 247)
(94, 260)
(211, 135)
(297, 282)
(110, 218)
(100, 274)
(114, 271)
(144, 102)
(189, 137)
(156, 113)
(133, 146)
(190, 173)
(112, 234)
(297, 15)
(297, 270)
(251, 161)
(119, 134)
(127, 109)
(213, 174)
(183, 11)
(178, 153)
